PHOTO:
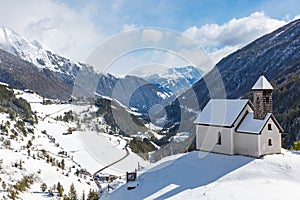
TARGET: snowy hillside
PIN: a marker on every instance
(56, 150)
(175, 80)
(215, 176)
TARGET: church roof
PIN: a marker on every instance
(262, 84)
(251, 125)
(255, 126)
(221, 112)
(225, 112)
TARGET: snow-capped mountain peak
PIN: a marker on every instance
(33, 52)
(176, 79)
(14, 43)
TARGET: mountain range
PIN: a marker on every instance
(176, 79)
(26, 64)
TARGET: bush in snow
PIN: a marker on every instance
(296, 146)
(43, 187)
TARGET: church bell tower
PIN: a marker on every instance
(262, 98)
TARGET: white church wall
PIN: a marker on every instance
(248, 144)
(207, 138)
(236, 123)
(273, 135)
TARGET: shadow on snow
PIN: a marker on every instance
(186, 172)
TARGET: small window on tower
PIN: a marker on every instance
(257, 100)
(270, 142)
(267, 99)
(269, 127)
(219, 142)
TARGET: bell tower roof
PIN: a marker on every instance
(262, 84)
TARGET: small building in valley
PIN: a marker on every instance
(239, 127)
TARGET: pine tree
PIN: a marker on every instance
(92, 195)
(83, 195)
(7, 143)
(29, 144)
(13, 194)
(20, 164)
(72, 193)
(77, 172)
(43, 187)
(63, 164)
(3, 185)
(66, 197)
(58, 185)
(50, 191)
(60, 189)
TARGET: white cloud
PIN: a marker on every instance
(217, 54)
(129, 27)
(225, 38)
(58, 27)
(128, 50)
(151, 35)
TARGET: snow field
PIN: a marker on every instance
(216, 176)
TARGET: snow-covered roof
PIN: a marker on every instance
(251, 125)
(262, 84)
(255, 126)
(221, 112)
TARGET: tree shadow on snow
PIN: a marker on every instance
(187, 172)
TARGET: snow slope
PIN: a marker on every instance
(34, 163)
(189, 176)
(84, 149)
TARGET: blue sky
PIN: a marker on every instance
(181, 14)
(74, 28)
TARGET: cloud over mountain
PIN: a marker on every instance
(221, 40)
(56, 25)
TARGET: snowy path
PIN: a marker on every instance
(56, 112)
(94, 175)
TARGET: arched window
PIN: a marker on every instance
(257, 100)
(267, 99)
(269, 127)
(269, 142)
(219, 142)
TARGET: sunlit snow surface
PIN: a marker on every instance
(218, 176)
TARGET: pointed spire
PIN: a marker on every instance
(262, 84)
